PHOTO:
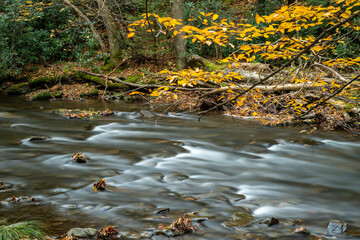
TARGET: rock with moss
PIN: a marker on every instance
(17, 89)
(45, 95)
(41, 82)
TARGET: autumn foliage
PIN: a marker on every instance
(300, 41)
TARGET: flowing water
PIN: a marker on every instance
(218, 166)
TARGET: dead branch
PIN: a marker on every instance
(88, 21)
(331, 96)
(335, 73)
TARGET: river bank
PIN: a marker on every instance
(78, 85)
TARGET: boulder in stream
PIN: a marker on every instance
(37, 139)
(82, 232)
(270, 221)
(336, 227)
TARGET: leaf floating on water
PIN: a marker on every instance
(107, 233)
(79, 158)
(100, 185)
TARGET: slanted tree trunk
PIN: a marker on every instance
(111, 30)
(179, 42)
(87, 20)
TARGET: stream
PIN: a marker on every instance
(217, 167)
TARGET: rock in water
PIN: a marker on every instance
(336, 227)
(270, 221)
(82, 232)
(239, 220)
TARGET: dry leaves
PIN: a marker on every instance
(107, 233)
(100, 185)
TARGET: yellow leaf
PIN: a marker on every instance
(131, 34)
(215, 16)
(259, 19)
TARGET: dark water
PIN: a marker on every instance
(215, 166)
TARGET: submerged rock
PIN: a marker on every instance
(239, 220)
(270, 221)
(37, 139)
(336, 227)
(82, 232)
(162, 211)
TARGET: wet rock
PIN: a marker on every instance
(302, 231)
(82, 232)
(239, 220)
(162, 211)
(79, 158)
(336, 227)
(37, 139)
(270, 221)
(159, 237)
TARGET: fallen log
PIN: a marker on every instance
(135, 85)
(264, 88)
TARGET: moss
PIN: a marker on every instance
(212, 67)
(133, 78)
(45, 95)
(21, 88)
(41, 82)
(57, 94)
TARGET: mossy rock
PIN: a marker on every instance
(239, 220)
(41, 82)
(16, 89)
(94, 93)
(57, 94)
(45, 95)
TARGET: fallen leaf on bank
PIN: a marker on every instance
(100, 185)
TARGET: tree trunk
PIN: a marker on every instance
(179, 42)
(111, 30)
(92, 27)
